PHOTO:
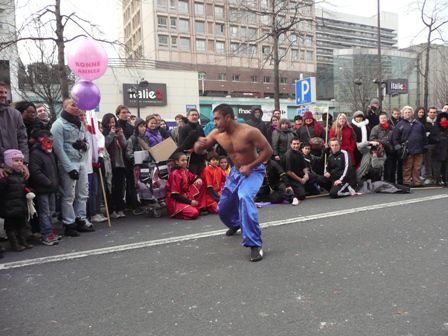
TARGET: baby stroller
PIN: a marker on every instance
(150, 180)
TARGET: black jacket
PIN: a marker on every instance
(438, 136)
(411, 131)
(13, 196)
(274, 176)
(188, 135)
(43, 171)
(340, 167)
(128, 130)
(258, 123)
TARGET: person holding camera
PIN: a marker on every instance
(70, 147)
(115, 143)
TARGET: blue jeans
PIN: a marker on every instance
(74, 194)
(45, 207)
(238, 194)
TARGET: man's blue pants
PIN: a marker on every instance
(236, 206)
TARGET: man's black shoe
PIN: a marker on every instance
(70, 230)
(81, 226)
(256, 253)
(231, 232)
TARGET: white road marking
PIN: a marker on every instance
(164, 241)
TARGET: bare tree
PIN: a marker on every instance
(439, 75)
(280, 26)
(54, 23)
(431, 17)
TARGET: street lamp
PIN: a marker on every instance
(135, 90)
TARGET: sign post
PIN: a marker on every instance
(306, 91)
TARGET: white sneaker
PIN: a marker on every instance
(427, 181)
(114, 215)
(98, 218)
(88, 223)
(295, 201)
(121, 214)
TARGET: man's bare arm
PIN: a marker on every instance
(205, 143)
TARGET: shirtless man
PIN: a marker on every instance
(241, 142)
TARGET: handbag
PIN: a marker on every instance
(403, 152)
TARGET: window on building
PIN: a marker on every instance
(283, 80)
(162, 3)
(309, 56)
(266, 50)
(173, 4)
(173, 41)
(199, 9)
(184, 26)
(200, 45)
(162, 21)
(294, 54)
(281, 52)
(234, 48)
(222, 76)
(202, 75)
(254, 79)
(220, 47)
(308, 41)
(173, 23)
(163, 41)
(233, 31)
(252, 33)
(266, 79)
(302, 55)
(219, 12)
(219, 29)
(184, 43)
(199, 27)
(183, 6)
(251, 50)
(236, 77)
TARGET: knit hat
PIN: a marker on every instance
(11, 154)
(374, 101)
(358, 114)
(308, 115)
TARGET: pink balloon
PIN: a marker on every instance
(88, 59)
(86, 95)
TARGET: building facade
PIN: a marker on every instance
(225, 41)
(9, 57)
(342, 31)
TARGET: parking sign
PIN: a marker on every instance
(306, 90)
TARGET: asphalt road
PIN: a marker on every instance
(368, 265)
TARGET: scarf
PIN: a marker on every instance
(444, 123)
(386, 125)
(363, 127)
(71, 119)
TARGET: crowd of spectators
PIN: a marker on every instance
(60, 165)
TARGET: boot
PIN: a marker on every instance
(70, 230)
(21, 236)
(14, 242)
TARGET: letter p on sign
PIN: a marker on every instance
(306, 91)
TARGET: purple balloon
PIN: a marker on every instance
(86, 95)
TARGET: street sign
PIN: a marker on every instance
(397, 86)
(306, 90)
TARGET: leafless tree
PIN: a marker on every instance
(50, 20)
(439, 77)
(281, 26)
(431, 14)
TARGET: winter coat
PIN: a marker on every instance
(134, 144)
(43, 171)
(411, 131)
(15, 137)
(13, 196)
(340, 167)
(281, 138)
(128, 130)
(258, 123)
(188, 135)
(65, 134)
(348, 142)
(438, 136)
(383, 136)
(306, 132)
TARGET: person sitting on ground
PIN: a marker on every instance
(281, 138)
(214, 178)
(44, 183)
(184, 194)
(275, 187)
(296, 170)
(339, 177)
(312, 162)
(13, 200)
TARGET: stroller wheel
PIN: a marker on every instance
(157, 213)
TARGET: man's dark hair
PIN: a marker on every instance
(192, 110)
(306, 144)
(296, 138)
(40, 133)
(432, 108)
(382, 113)
(21, 106)
(3, 84)
(224, 109)
(298, 117)
(119, 108)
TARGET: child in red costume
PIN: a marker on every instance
(184, 193)
(214, 178)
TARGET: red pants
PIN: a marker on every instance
(188, 213)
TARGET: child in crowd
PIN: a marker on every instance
(13, 201)
(184, 193)
(214, 178)
(224, 164)
(311, 161)
(44, 182)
